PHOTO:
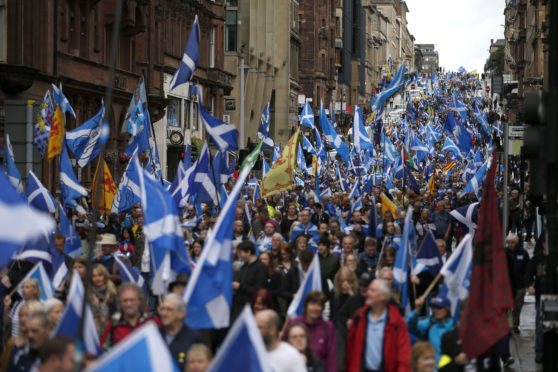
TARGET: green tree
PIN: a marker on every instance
(495, 62)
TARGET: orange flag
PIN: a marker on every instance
(107, 189)
(56, 134)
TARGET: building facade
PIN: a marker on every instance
(426, 58)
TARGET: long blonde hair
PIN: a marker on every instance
(344, 273)
(101, 270)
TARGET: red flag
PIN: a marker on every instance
(484, 320)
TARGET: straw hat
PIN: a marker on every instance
(108, 239)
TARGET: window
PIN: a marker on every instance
(186, 114)
(231, 37)
(212, 47)
(173, 113)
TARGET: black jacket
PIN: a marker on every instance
(179, 346)
(518, 262)
(251, 277)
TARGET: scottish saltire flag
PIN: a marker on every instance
(70, 322)
(475, 184)
(459, 107)
(421, 151)
(467, 216)
(320, 148)
(300, 160)
(11, 168)
(461, 135)
(263, 130)
(153, 165)
(478, 159)
(469, 171)
(163, 232)
(357, 205)
(361, 139)
(457, 273)
(333, 137)
(72, 245)
(401, 266)
(209, 290)
(62, 101)
(38, 196)
(224, 135)
(388, 148)
(307, 146)
(450, 146)
(86, 140)
(344, 182)
(70, 188)
(433, 133)
(128, 193)
(355, 191)
(13, 211)
(128, 273)
(190, 57)
(396, 83)
(428, 257)
(201, 183)
(243, 349)
(310, 230)
(135, 115)
(39, 273)
(307, 116)
(276, 154)
(265, 167)
(312, 282)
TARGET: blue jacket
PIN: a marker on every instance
(429, 328)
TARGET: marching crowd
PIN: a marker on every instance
(357, 322)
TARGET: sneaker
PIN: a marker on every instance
(538, 358)
(509, 361)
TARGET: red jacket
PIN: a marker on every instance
(397, 346)
(118, 329)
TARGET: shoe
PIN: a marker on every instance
(509, 362)
(538, 358)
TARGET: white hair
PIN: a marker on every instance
(180, 304)
(383, 287)
(51, 303)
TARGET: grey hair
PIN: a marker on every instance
(51, 303)
(383, 270)
(383, 287)
(275, 235)
(180, 304)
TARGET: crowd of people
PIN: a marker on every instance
(357, 321)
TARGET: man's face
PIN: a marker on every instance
(37, 333)
(269, 229)
(263, 215)
(323, 228)
(374, 296)
(291, 210)
(357, 216)
(334, 226)
(347, 244)
(130, 303)
(265, 330)
(305, 217)
(390, 228)
(106, 249)
(371, 248)
(322, 248)
(243, 256)
(388, 277)
(170, 313)
(441, 247)
(238, 227)
(59, 243)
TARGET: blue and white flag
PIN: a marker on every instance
(128, 273)
(461, 135)
(355, 191)
(209, 290)
(72, 245)
(457, 273)
(224, 135)
(86, 140)
(135, 118)
(276, 154)
(265, 167)
(70, 321)
(475, 184)
(307, 146)
(478, 159)
(421, 151)
(320, 148)
(344, 182)
(459, 107)
(401, 266)
(333, 137)
(11, 168)
(201, 182)
(39, 273)
(190, 58)
(312, 282)
(70, 189)
(300, 159)
(13, 211)
(388, 148)
(357, 205)
(38, 196)
(163, 232)
(128, 193)
(361, 139)
(469, 171)
(450, 146)
(396, 83)
(243, 349)
(309, 230)
(263, 130)
(307, 116)
(62, 101)
(428, 256)
(467, 216)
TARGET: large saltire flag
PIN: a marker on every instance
(280, 176)
(107, 190)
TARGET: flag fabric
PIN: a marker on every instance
(13, 210)
(312, 282)
(388, 206)
(224, 135)
(209, 290)
(11, 169)
(474, 185)
(38, 196)
(243, 349)
(190, 58)
(107, 190)
(310, 230)
(251, 159)
(485, 321)
(163, 232)
(307, 116)
(457, 272)
(128, 273)
(41, 132)
(450, 146)
(135, 115)
(361, 139)
(467, 216)
(280, 176)
(461, 135)
(85, 141)
(448, 167)
(401, 266)
(128, 193)
(39, 273)
(201, 182)
(62, 101)
(276, 154)
(56, 137)
(396, 83)
(70, 321)
(421, 151)
(428, 257)
(70, 188)
(72, 246)
(332, 137)
(307, 146)
(263, 130)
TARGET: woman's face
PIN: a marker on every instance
(426, 362)
(390, 259)
(314, 311)
(297, 338)
(285, 256)
(301, 244)
(29, 291)
(97, 279)
(55, 313)
(259, 305)
(125, 234)
(197, 362)
(352, 262)
(196, 249)
(80, 268)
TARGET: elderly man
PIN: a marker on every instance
(378, 337)
(105, 255)
(176, 334)
(518, 259)
(282, 356)
(26, 357)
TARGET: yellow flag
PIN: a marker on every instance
(448, 167)
(107, 190)
(388, 72)
(388, 206)
(280, 176)
(56, 134)
(431, 185)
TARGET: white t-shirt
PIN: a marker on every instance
(285, 358)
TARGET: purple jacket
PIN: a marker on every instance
(322, 340)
